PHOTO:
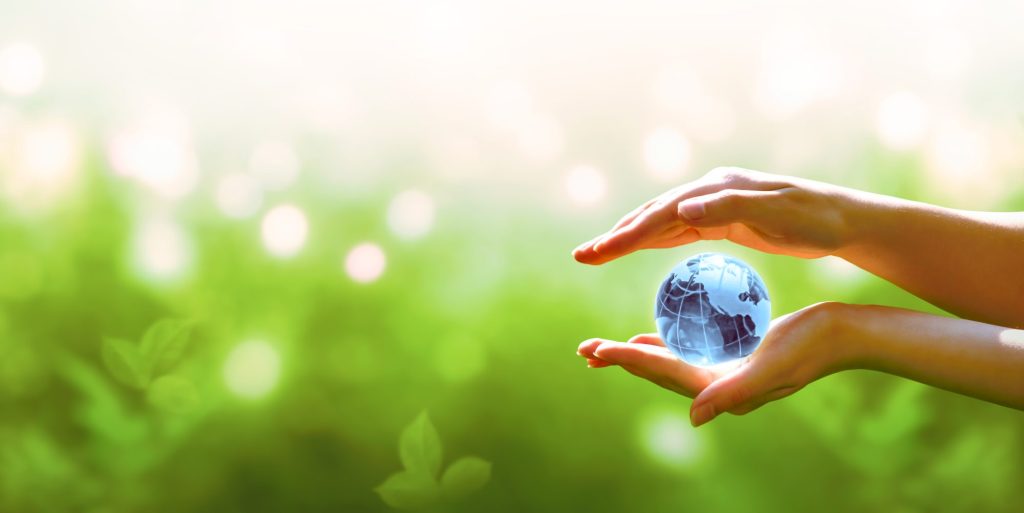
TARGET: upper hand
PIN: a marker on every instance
(798, 349)
(770, 213)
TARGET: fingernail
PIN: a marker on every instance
(702, 414)
(692, 209)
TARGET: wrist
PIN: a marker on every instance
(852, 330)
(843, 326)
(859, 216)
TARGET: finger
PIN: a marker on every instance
(627, 238)
(760, 401)
(748, 383)
(652, 339)
(680, 238)
(585, 254)
(660, 380)
(631, 237)
(728, 206)
(594, 363)
(656, 364)
(628, 218)
(587, 347)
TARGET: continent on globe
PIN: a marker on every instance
(711, 309)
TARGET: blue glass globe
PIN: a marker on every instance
(711, 309)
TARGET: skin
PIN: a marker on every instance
(968, 263)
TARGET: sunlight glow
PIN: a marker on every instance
(796, 71)
(701, 114)
(958, 155)
(21, 69)
(275, 164)
(540, 138)
(585, 185)
(45, 163)
(667, 154)
(509, 105)
(902, 121)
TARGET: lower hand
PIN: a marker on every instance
(799, 348)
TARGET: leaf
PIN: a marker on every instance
(164, 343)
(420, 447)
(408, 490)
(173, 394)
(465, 476)
(124, 362)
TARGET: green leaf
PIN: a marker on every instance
(164, 343)
(465, 476)
(408, 490)
(124, 362)
(173, 394)
(420, 447)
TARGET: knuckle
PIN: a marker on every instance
(731, 198)
(729, 174)
(822, 310)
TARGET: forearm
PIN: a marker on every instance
(963, 356)
(968, 263)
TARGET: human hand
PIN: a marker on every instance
(771, 213)
(799, 348)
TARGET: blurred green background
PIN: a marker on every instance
(243, 245)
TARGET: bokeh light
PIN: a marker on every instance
(365, 262)
(667, 154)
(252, 369)
(44, 163)
(797, 70)
(162, 163)
(284, 230)
(411, 214)
(668, 438)
(902, 120)
(239, 195)
(162, 250)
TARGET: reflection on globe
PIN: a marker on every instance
(712, 309)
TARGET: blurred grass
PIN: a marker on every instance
(478, 324)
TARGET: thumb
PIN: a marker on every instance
(725, 207)
(732, 391)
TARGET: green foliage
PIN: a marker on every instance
(409, 490)
(173, 394)
(164, 343)
(420, 447)
(135, 365)
(419, 486)
(109, 403)
(465, 476)
(125, 363)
